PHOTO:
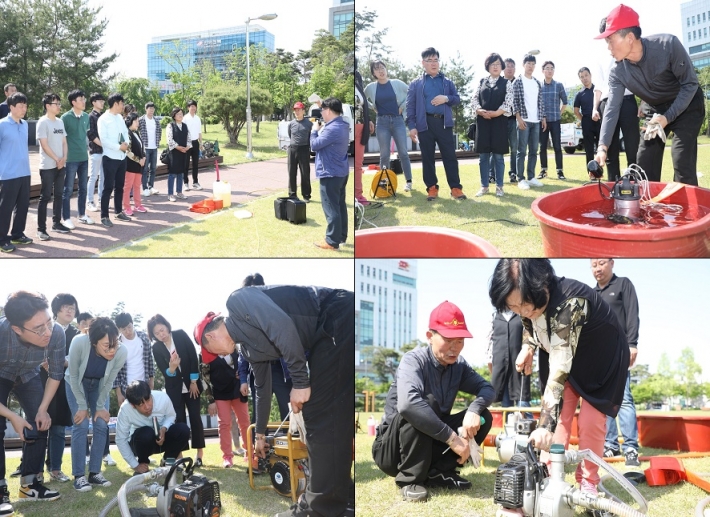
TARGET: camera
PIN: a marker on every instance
(30, 435)
(316, 115)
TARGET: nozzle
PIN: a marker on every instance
(595, 169)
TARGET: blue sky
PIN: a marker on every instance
(673, 301)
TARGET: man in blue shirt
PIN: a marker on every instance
(14, 174)
(555, 100)
(430, 122)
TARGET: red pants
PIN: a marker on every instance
(359, 157)
(224, 410)
(591, 428)
(133, 181)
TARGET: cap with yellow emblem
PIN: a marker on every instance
(447, 319)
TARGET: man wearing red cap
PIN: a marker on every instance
(417, 442)
(299, 153)
(272, 322)
(657, 69)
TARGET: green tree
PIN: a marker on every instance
(228, 103)
(137, 91)
(462, 76)
(373, 45)
(385, 362)
(688, 374)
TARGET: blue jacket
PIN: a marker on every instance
(331, 148)
(416, 111)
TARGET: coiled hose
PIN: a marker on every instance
(114, 502)
(700, 509)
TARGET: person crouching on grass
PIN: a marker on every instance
(417, 442)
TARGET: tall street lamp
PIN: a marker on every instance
(249, 154)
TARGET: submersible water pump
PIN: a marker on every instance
(627, 201)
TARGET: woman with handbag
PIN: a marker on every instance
(134, 166)
(178, 138)
(176, 358)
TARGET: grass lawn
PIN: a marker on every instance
(377, 494)
(221, 234)
(265, 145)
(238, 499)
(508, 222)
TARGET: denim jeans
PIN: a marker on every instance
(29, 394)
(553, 130)
(151, 160)
(495, 160)
(55, 447)
(79, 432)
(513, 142)
(74, 169)
(444, 136)
(388, 127)
(627, 423)
(96, 172)
(528, 138)
(171, 181)
(332, 194)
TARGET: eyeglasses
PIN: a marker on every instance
(431, 60)
(68, 308)
(56, 103)
(549, 68)
(41, 330)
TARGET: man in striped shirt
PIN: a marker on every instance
(555, 100)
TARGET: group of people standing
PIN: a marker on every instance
(582, 334)
(522, 114)
(121, 156)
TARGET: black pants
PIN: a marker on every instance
(52, 180)
(590, 133)
(194, 155)
(14, 199)
(114, 178)
(553, 128)
(280, 387)
(182, 400)
(329, 415)
(407, 454)
(299, 157)
(143, 444)
(629, 124)
(444, 136)
(29, 394)
(684, 149)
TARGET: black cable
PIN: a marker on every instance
(498, 220)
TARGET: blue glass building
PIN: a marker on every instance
(189, 49)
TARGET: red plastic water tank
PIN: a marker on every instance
(420, 242)
(561, 238)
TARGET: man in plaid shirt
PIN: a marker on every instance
(555, 99)
(149, 129)
(139, 363)
(529, 108)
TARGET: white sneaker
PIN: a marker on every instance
(86, 219)
(146, 192)
(91, 207)
(535, 183)
(109, 461)
(186, 186)
(171, 198)
(69, 224)
(408, 186)
(154, 190)
(483, 191)
(523, 185)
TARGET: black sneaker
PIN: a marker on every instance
(37, 492)
(5, 506)
(449, 479)
(491, 178)
(415, 493)
(610, 453)
(542, 175)
(106, 222)
(98, 479)
(299, 509)
(8, 247)
(513, 178)
(632, 458)
(60, 228)
(122, 217)
(561, 175)
(22, 240)
(43, 236)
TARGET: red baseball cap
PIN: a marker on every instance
(299, 105)
(447, 319)
(207, 356)
(621, 17)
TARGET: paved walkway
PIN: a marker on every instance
(249, 181)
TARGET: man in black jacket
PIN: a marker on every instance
(620, 294)
(313, 330)
(417, 442)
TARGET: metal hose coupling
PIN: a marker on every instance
(594, 502)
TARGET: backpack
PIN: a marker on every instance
(384, 184)
(471, 132)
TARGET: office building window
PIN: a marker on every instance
(341, 22)
(366, 322)
(362, 287)
(368, 271)
(362, 269)
(368, 288)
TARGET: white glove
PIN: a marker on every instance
(653, 130)
(476, 453)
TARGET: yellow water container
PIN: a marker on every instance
(222, 190)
